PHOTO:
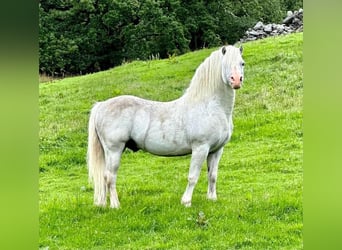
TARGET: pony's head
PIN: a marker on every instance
(232, 66)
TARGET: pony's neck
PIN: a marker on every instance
(226, 98)
(207, 85)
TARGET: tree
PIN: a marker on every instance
(154, 30)
(81, 36)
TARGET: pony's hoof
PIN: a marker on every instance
(186, 203)
(100, 204)
(115, 205)
(212, 197)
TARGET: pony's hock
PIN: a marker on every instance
(199, 123)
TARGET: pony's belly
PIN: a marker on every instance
(168, 151)
(165, 147)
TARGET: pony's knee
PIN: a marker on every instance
(212, 178)
(192, 180)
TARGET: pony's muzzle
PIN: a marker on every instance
(236, 86)
(236, 81)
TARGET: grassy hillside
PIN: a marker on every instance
(260, 174)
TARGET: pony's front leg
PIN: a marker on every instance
(199, 154)
(212, 162)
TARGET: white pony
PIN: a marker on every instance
(198, 123)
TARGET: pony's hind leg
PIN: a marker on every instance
(100, 194)
(199, 154)
(212, 162)
(112, 166)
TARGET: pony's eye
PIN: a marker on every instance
(243, 64)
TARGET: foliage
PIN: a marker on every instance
(78, 37)
(260, 176)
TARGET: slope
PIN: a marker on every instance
(260, 175)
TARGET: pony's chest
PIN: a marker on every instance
(222, 134)
(214, 130)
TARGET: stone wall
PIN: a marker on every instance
(293, 22)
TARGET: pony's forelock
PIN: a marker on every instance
(234, 55)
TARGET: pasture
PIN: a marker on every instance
(260, 176)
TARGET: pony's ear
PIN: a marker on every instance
(224, 50)
(241, 49)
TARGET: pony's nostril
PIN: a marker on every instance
(232, 78)
(241, 78)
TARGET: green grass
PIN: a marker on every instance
(260, 174)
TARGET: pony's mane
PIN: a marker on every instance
(206, 79)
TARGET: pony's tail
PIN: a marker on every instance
(96, 161)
